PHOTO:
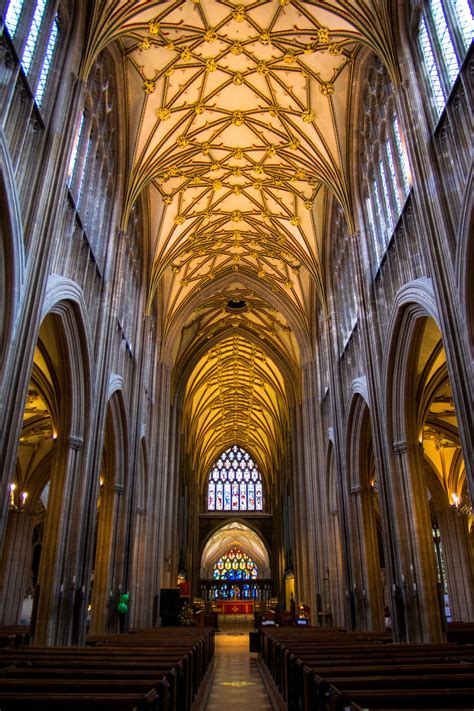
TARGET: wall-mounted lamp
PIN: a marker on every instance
(17, 502)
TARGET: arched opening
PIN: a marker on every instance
(235, 566)
(370, 595)
(41, 553)
(425, 437)
(446, 483)
(108, 569)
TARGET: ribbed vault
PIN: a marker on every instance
(236, 395)
(238, 131)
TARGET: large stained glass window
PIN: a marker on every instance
(235, 483)
(235, 565)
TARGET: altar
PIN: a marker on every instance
(235, 607)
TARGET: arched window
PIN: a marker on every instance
(343, 278)
(444, 35)
(386, 172)
(235, 565)
(38, 49)
(93, 160)
(235, 483)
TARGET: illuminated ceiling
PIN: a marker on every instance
(238, 119)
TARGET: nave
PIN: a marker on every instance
(236, 682)
(236, 323)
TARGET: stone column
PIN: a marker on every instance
(58, 581)
(105, 590)
(365, 562)
(458, 558)
(15, 571)
(304, 481)
(418, 580)
(158, 489)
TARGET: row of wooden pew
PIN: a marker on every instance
(150, 670)
(323, 669)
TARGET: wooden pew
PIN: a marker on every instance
(25, 701)
(315, 670)
(402, 699)
(156, 672)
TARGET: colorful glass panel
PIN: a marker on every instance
(237, 481)
(235, 565)
(211, 496)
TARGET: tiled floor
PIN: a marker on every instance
(236, 682)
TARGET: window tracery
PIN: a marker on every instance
(235, 565)
(235, 483)
(345, 302)
(92, 163)
(386, 181)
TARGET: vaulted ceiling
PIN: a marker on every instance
(238, 119)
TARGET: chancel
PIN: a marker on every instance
(237, 318)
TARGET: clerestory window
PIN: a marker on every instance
(445, 34)
(386, 172)
(39, 48)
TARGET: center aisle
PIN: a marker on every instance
(236, 682)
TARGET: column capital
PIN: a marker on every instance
(401, 447)
(72, 442)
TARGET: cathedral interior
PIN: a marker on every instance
(237, 311)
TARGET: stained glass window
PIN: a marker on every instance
(235, 565)
(235, 483)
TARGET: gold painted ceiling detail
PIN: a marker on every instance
(238, 126)
(236, 395)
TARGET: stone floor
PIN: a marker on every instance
(236, 682)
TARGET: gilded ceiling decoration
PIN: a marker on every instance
(236, 394)
(238, 124)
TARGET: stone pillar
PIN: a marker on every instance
(15, 571)
(418, 580)
(365, 562)
(138, 602)
(458, 558)
(304, 481)
(159, 482)
(58, 576)
(105, 589)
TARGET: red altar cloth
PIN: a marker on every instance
(235, 607)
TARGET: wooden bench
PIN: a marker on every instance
(152, 672)
(314, 670)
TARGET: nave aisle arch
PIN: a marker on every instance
(421, 424)
(369, 582)
(112, 518)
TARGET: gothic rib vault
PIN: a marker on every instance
(238, 126)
